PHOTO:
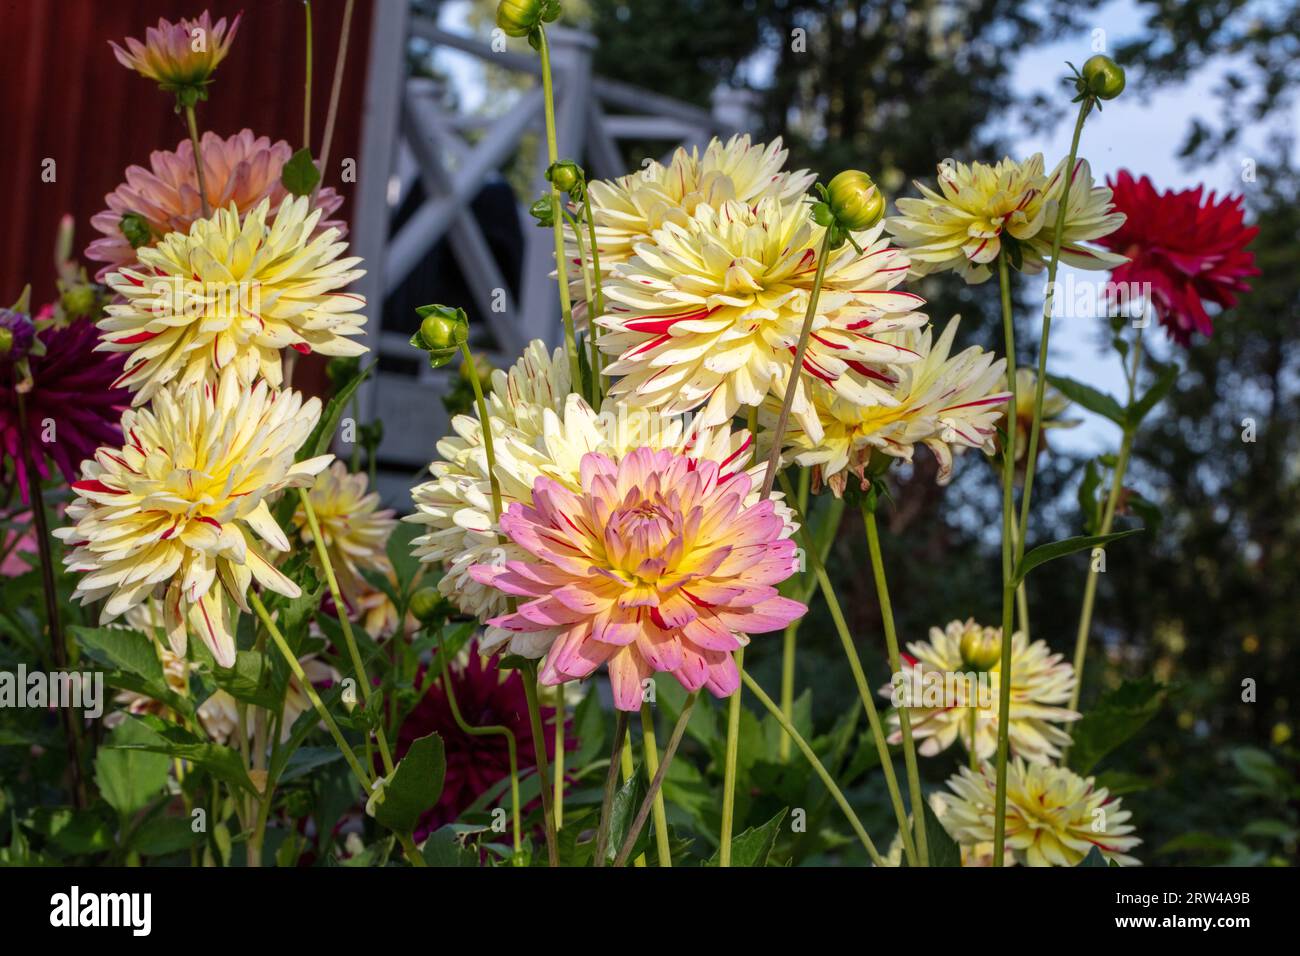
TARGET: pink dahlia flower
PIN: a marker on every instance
(181, 55)
(72, 408)
(1190, 248)
(243, 169)
(655, 564)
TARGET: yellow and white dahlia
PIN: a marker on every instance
(539, 430)
(354, 528)
(962, 226)
(232, 294)
(953, 662)
(979, 208)
(628, 210)
(1054, 816)
(1090, 215)
(178, 511)
(946, 402)
(709, 313)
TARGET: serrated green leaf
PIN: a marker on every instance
(943, 850)
(123, 649)
(450, 846)
(1059, 549)
(173, 741)
(754, 846)
(300, 174)
(253, 679)
(627, 800)
(415, 786)
(1090, 398)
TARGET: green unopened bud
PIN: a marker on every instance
(78, 300)
(567, 177)
(854, 200)
(136, 229)
(1102, 77)
(519, 18)
(428, 604)
(981, 647)
(442, 331)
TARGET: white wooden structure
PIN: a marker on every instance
(408, 135)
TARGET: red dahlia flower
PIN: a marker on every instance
(71, 408)
(1190, 248)
(485, 696)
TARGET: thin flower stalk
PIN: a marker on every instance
(651, 746)
(656, 783)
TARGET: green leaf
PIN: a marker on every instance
(1159, 389)
(1115, 718)
(161, 836)
(1059, 549)
(306, 759)
(130, 779)
(1094, 858)
(405, 564)
(1089, 500)
(627, 800)
(128, 651)
(415, 786)
(222, 762)
(300, 174)
(754, 846)
(253, 680)
(450, 846)
(318, 443)
(944, 851)
(1090, 398)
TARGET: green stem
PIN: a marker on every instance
(729, 768)
(485, 731)
(611, 784)
(792, 734)
(306, 96)
(561, 265)
(638, 823)
(336, 90)
(198, 161)
(358, 666)
(778, 433)
(586, 291)
(628, 766)
(896, 665)
(364, 778)
(36, 497)
(543, 765)
(651, 768)
(593, 330)
(558, 781)
(1040, 386)
(485, 424)
(860, 679)
(1008, 586)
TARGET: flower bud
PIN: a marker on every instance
(136, 229)
(442, 332)
(428, 604)
(1103, 76)
(981, 647)
(17, 333)
(78, 300)
(566, 176)
(855, 201)
(519, 18)
(543, 212)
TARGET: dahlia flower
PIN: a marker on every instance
(1041, 683)
(539, 429)
(1190, 249)
(242, 169)
(1054, 816)
(232, 294)
(978, 208)
(655, 564)
(975, 855)
(709, 313)
(946, 402)
(73, 389)
(354, 528)
(178, 510)
(630, 209)
(485, 695)
(179, 56)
